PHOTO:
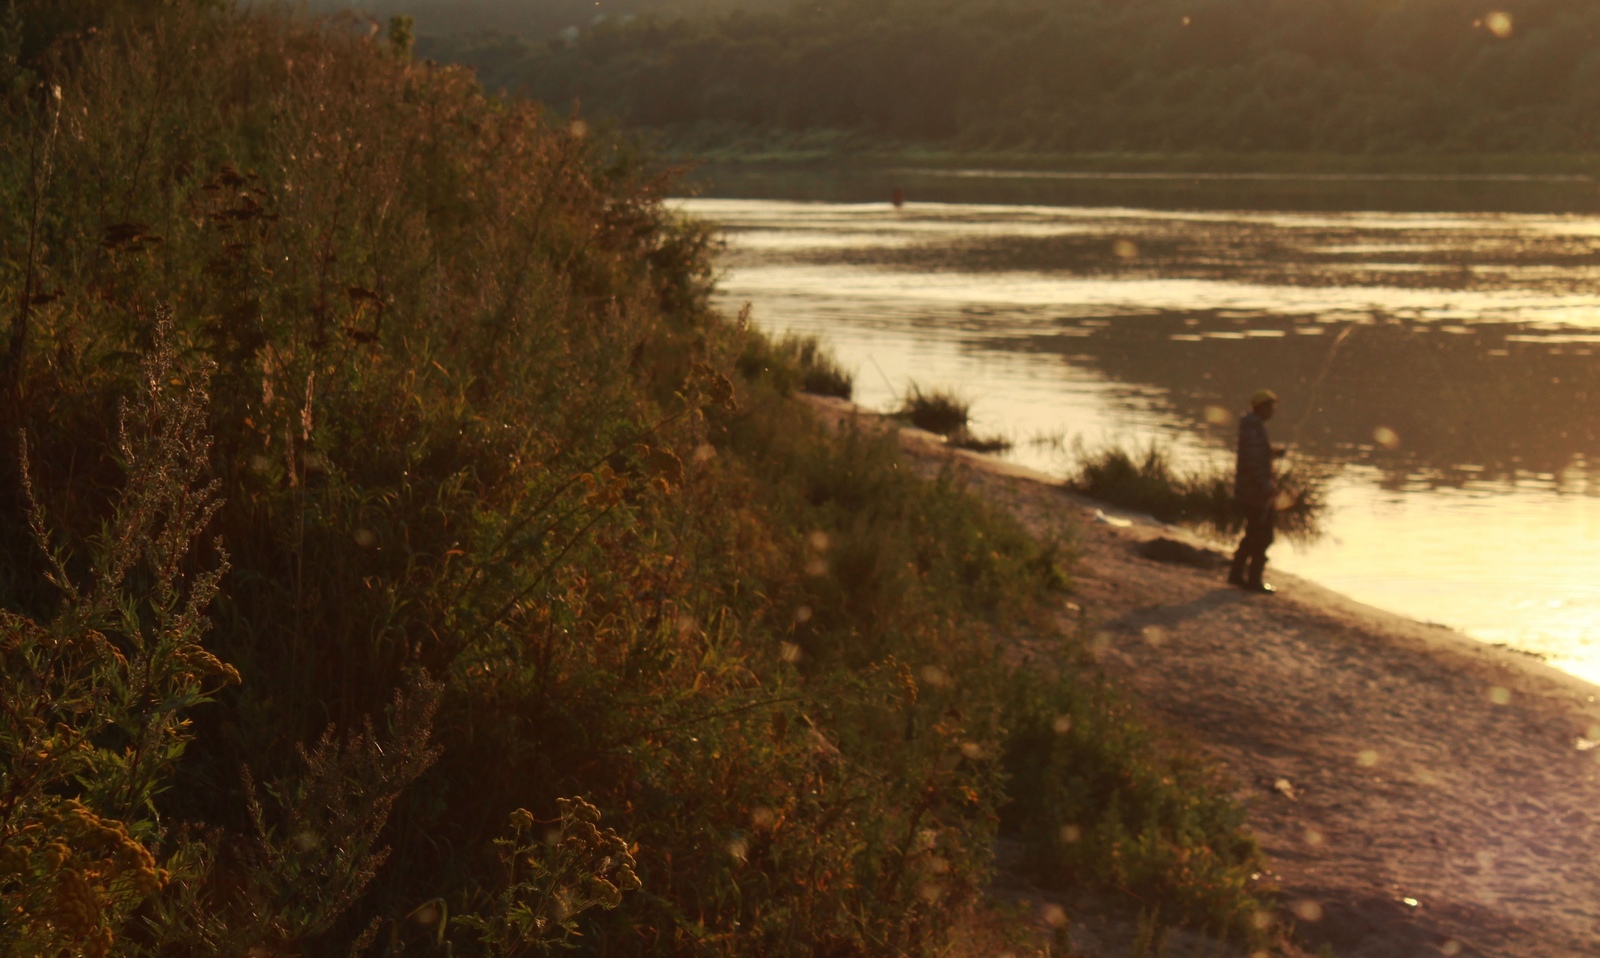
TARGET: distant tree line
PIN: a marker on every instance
(1089, 75)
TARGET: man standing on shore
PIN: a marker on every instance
(1256, 492)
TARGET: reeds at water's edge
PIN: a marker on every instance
(1147, 481)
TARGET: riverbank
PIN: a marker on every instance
(1416, 792)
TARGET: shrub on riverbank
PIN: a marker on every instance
(795, 362)
(1095, 799)
(936, 410)
(1148, 482)
(430, 510)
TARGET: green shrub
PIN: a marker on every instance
(795, 362)
(937, 410)
(1098, 800)
(1148, 482)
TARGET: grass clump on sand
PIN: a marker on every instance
(965, 439)
(944, 412)
(405, 558)
(1148, 482)
(936, 410)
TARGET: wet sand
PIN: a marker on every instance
(1416, 792)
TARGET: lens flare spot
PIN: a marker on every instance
(935, 676)
(1307, 910)
(1218, 415)
(1053, 915)
(1451, 947)
(1124, 249)
(1498, 23)
(1500, 696)
(1154, 635)
(789, 652)
(1062, 724)
(762, 817)
(1386, 437)
(1314, 838)
(1367, 757)
(972, 750)
(803, 614)
(1071, 834)
(426, 914)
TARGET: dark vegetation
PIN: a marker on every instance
(387, 532)
(1148, 482)
(533, 19)
(794, 362)
(944, 412)
(1086, 75)
(936, 410)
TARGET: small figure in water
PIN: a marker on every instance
(898, 198)
(1256, 492)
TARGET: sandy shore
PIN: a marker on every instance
(1417, 792)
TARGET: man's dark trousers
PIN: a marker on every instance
(1253, 547)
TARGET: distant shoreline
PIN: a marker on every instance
(832, 148)
(1543, 185)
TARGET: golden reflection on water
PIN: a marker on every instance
(1440, 365)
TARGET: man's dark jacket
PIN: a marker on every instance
(1252, 484)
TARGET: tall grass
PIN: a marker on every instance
(936, 410)
(795, 362)
(1097, 800)
(1148, 482)
(433, 379)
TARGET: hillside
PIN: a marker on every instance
(400, 555)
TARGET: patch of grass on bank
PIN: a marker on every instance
(965, 439)
(945, 412)
(937, 410)
(397, 520)
(796, 362)
(1097, 799)
(1148, 482)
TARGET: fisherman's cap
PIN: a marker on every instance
(1263, 396)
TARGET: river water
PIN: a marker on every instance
(1434, 344)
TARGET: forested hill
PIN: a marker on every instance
(534, 20)
(1071, 75)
